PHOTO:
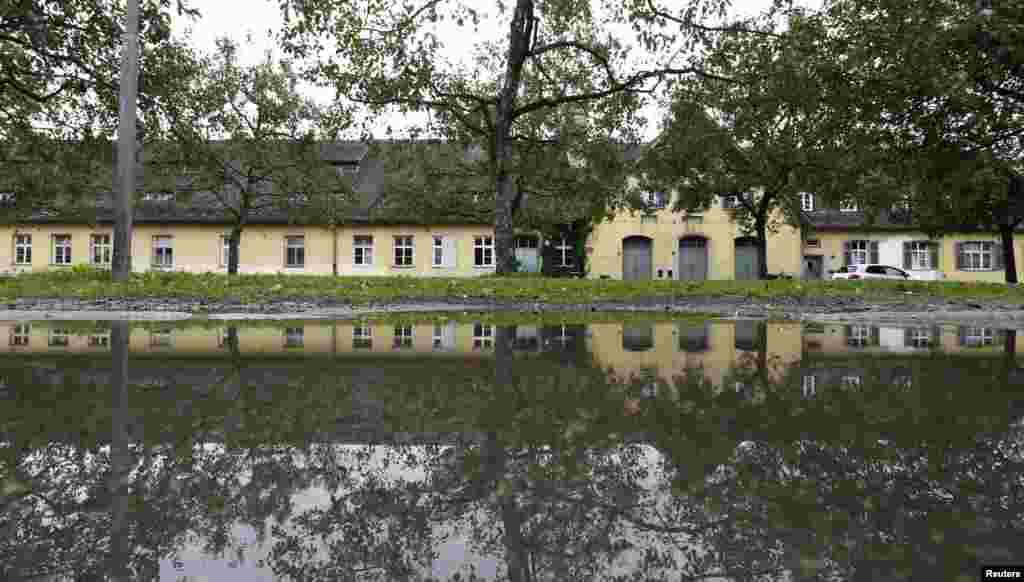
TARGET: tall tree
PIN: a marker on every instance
(557, 55)
(245, 136)
(758, 138)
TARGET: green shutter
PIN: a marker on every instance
(997, 257)
(846, 253)
(906, 255)
(958, 250)
(874, 335)
(933, 249)
(873, 252)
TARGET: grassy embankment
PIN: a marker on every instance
(88, 284)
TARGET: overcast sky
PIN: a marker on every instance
(261, 19)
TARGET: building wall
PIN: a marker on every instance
(198, 248)
(948, 258)
(666, 228)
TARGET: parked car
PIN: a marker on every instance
(871, 272)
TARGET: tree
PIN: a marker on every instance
(934, 95)
(559, 59)
(246, 137)
(59, 80)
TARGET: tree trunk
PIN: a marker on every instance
(1009, 258)
(507, 196)
(334, 249)
(233, 241)
(121, 262)
(762, 248)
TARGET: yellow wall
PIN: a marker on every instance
(948, 259)
(604, 247)
(197, 248)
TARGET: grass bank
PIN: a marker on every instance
(90, 284)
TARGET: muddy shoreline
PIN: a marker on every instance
(819, 309)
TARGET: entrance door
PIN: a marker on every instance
(636, 258)
(527, 254)
(813, 266)
(693, 259)
(748, 267)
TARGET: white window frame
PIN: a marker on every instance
(362, 250)
(158, 196)
(976, 337)
(566, 257)
(362, 337)
(21, 335)
(294, 337)
(977, 251)
(848, 206)
(807, 202)
(404, 251)
(860, 249)
(105, 247)
(225, 249)
(22, 249)
(860, 336)
(809, 386)
(437, 251)
(163, 252)
(483, 251)
(294, 242)
(483, 337)
(921, 256)
(403, 337)
(655, 200)
(61, 244)
(58, 337)
(921, 337)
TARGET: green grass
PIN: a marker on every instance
(88, 284)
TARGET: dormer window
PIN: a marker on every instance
(807, 202)
(7, 197)
(848, 206)
(655, 199)
(158, 196)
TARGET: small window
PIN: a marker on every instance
(294, 337)
(848, 206)
(807, 202)
(295, 252)
(810, 385)
(483, 251)
(99, 340)
(483, 336)
(403, 251)
(565, 253)
(813, 243)
(101, 249)
(62, 249)
(403, 337)
(860, 336)
(20, 334)
(437, 251)
(362, 337)
(362, 248)
(918, 255)
(859, 252)
(59, 337)
(655, 200)
(526, 242)
(975, 337)
(444, 336)
(22, 249)
(163, 252)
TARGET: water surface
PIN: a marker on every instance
(728, 450)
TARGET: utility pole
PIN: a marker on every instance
(121, 267)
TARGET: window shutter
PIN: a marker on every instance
(933, 252)
(908, 333)
(958, 250)
(961, 336)
(874, 335)
(997, 257)
(907, 261)
(846, 253)
(936, 337)
(449, 251)
(873, 246)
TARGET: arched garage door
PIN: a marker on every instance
(693, 259)
(636, 258)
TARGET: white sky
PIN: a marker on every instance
(261, 19)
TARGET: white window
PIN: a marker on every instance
(163, 251)
(973, 337)
(851, 381)
(848, 206)
(437, 251)
(20, 334)
(99, 340)
(62, 249)
(566, 256)
(858, 336)
(294, 337)
(362, 246)
(362, 337)
(564, 338)
(483, 336)
(444, 336)
(859, 250)
(403, 337)
(921, 255)
(22, 249)
(655, 199)
(403, 251)
(100, 249)
(730, 201)
(919, 337)
(225, 250)
(483, 251)
(807, 202)
(442, 253)
(976, 256)
(810, 387)
(59, 337)
(294, 252)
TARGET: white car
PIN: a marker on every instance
(871, 272)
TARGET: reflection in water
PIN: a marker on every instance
(335, 451)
